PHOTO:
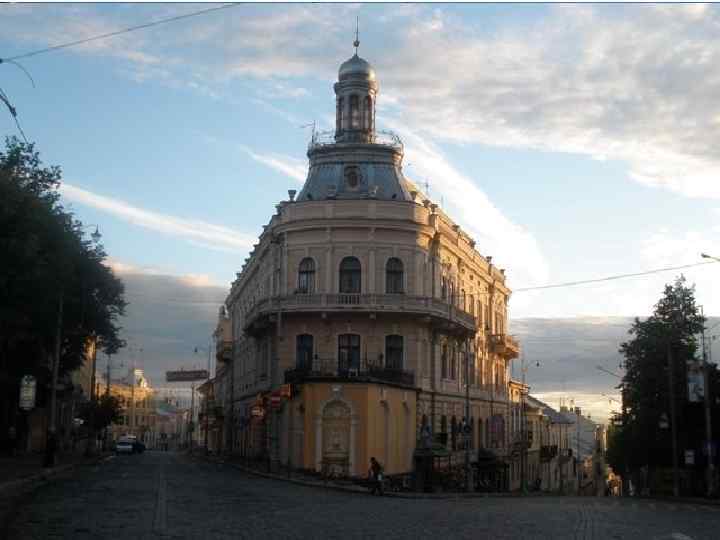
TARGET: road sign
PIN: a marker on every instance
(257, 411)
(275, 401)
(28, 387)
(186, 376)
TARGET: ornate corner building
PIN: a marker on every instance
(361, 314)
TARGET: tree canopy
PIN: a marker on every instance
(47, 259)
(670, 336)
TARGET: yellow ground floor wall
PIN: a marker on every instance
(340, 426)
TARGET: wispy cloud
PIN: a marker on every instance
(202, 232)
(289, 166)
(511, 246)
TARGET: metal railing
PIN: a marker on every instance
(370, 302)
(348, 369)
(380, 137)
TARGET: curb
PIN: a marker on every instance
(363, 491)
(680, 500)
(13, 486)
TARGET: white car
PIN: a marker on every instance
(124, 446)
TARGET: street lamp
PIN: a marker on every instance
(207, 395)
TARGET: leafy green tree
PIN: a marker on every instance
(47, 260)
(99, 414)
(671, 332)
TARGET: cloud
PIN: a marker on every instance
(168, 316)
(511, 246)
(207, 234)
(289, 166)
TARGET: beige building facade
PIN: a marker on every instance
(362, 315)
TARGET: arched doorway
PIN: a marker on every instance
(336, 438)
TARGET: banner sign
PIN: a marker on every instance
(186, 376)
(696, 384)
(28, 387)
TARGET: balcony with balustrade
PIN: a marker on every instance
(223, 350)
(332, 369)
(441, 313)
(505, 345)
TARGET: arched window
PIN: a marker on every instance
(454, 432)
(354, 112)
(350, 274)
(445, 370)
(339, 115)
(343, 115)
(348, 352)
(443, 289)
(463, 304)
(453, 362)
(394, 276)
(306, 276)
(394, 352)
(471, 305)
(368, 113)
(303, 352)
(451, 293)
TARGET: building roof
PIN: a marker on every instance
(356, 67)
(554, 416)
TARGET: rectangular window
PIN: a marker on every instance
(348, 352)
(394, 352)
(445, 370)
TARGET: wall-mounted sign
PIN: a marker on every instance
(28, 391)
(696, 384)
(186, 376)
(689, 457)
(257, 411)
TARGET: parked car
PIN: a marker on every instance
(124, 446)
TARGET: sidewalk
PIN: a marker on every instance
(19, 471)
(347, 485)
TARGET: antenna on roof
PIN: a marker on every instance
(356, 43)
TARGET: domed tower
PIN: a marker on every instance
(355, 161)
(355, 92)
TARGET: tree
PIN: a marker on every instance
(99, 414)
(46, 261)
(644, 438)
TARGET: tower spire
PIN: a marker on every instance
(356, 43)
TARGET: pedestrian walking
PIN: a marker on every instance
(375, 475)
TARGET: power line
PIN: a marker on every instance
(612, 278)
(13, 113)
(117, 32)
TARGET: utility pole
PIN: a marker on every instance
(577, 458)
(467, 429)
(92, 436)
(52, 442)
(673, 421)
(207, 400)
(708, 415)
(191, 427)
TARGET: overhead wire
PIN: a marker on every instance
(612, 278)
(117, 32)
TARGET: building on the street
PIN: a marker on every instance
(137, 405)
(362, 313)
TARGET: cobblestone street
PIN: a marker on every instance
(159, 495)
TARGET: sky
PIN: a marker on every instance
(571, 141)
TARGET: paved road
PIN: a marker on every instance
(166, 495)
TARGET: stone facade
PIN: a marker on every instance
(369, 309)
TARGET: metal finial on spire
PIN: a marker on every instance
(356, 43)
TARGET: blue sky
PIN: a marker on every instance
(573, 141)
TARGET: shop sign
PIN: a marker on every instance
(187, 376)
(28, 391)
(275, 401)
(257, 412)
